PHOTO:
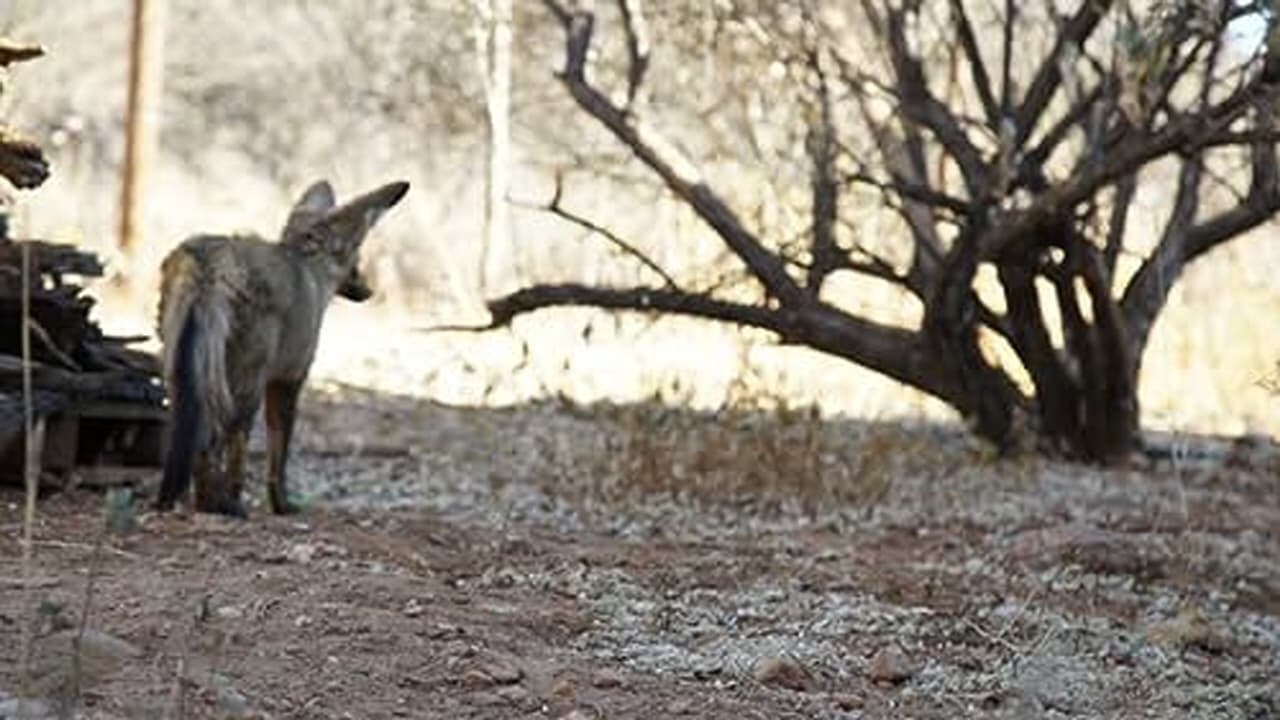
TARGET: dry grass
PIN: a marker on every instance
(1211, 347)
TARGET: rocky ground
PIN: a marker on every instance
(641, 562)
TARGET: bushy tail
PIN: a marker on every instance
(194, 323)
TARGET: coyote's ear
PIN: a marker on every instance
(353, 219)
(316, 200)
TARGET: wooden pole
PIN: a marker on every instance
(141, 120)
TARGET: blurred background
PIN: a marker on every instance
(254, 101)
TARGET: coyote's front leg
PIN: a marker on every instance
(232, 500)
(281, 410)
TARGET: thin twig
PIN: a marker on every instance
(637, 32)
(555, 208)
(32, 444)
(32, 583)
(95, 563)
(47, 341)
(86, 546)
(178, 695)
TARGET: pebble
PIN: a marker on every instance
(890, 666)
(782, 671)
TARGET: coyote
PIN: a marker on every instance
(240, 318)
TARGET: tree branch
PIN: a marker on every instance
(1031, 167)
(907, 190)
(903, 160)
(555, 208)
(1146, 293)
(821, 148)
(1048, 78)
(13, 52)
(977, 67)
(1030, 338)
(637, 31)
(1126, 159)
(22, 162)
(1118, 221)
(895, 352)
(642, 299)
(677, 172)
(922, 108)
(1006, 58)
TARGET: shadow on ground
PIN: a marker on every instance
(640, 561)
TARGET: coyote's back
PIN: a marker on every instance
(240, 318)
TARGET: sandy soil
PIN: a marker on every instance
(639, 562)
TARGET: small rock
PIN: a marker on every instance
(475, 679)
(26, 709)
(848, 702)
(232, 704)
(1187, 629)
(680, 707)
(889, 665)
(605, 679)
(270, 557)
(101, 655)
(441, 631)
(1066, 683)
(301, 553)
(782, 671)
(122, 518)
(228, 612)
(412, 608)
(513, 694)
(1096, 550)
(707, 670)
(504, 673)
(562, 688)
(491, 673)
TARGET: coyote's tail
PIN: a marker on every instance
(195, 320)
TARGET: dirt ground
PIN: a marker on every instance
(641, 562)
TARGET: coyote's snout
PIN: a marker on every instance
(240, 318)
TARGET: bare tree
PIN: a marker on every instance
(993, 151)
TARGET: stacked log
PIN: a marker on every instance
(100, 401)
(94, 399)
(21, 160)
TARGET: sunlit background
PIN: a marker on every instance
(256, 104)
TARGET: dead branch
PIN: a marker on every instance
(896, 352)
(910, 191)
(12, 52)
(821, 148)
(1048, 78)
(555, 207)
(22, 162)
(637, 32)
(1124, 160)
(1118, 221)
(642, 299)
(920, 107)
(977, 66)
(677, 172)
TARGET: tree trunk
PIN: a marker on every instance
(1086, 391)
(142, 112)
